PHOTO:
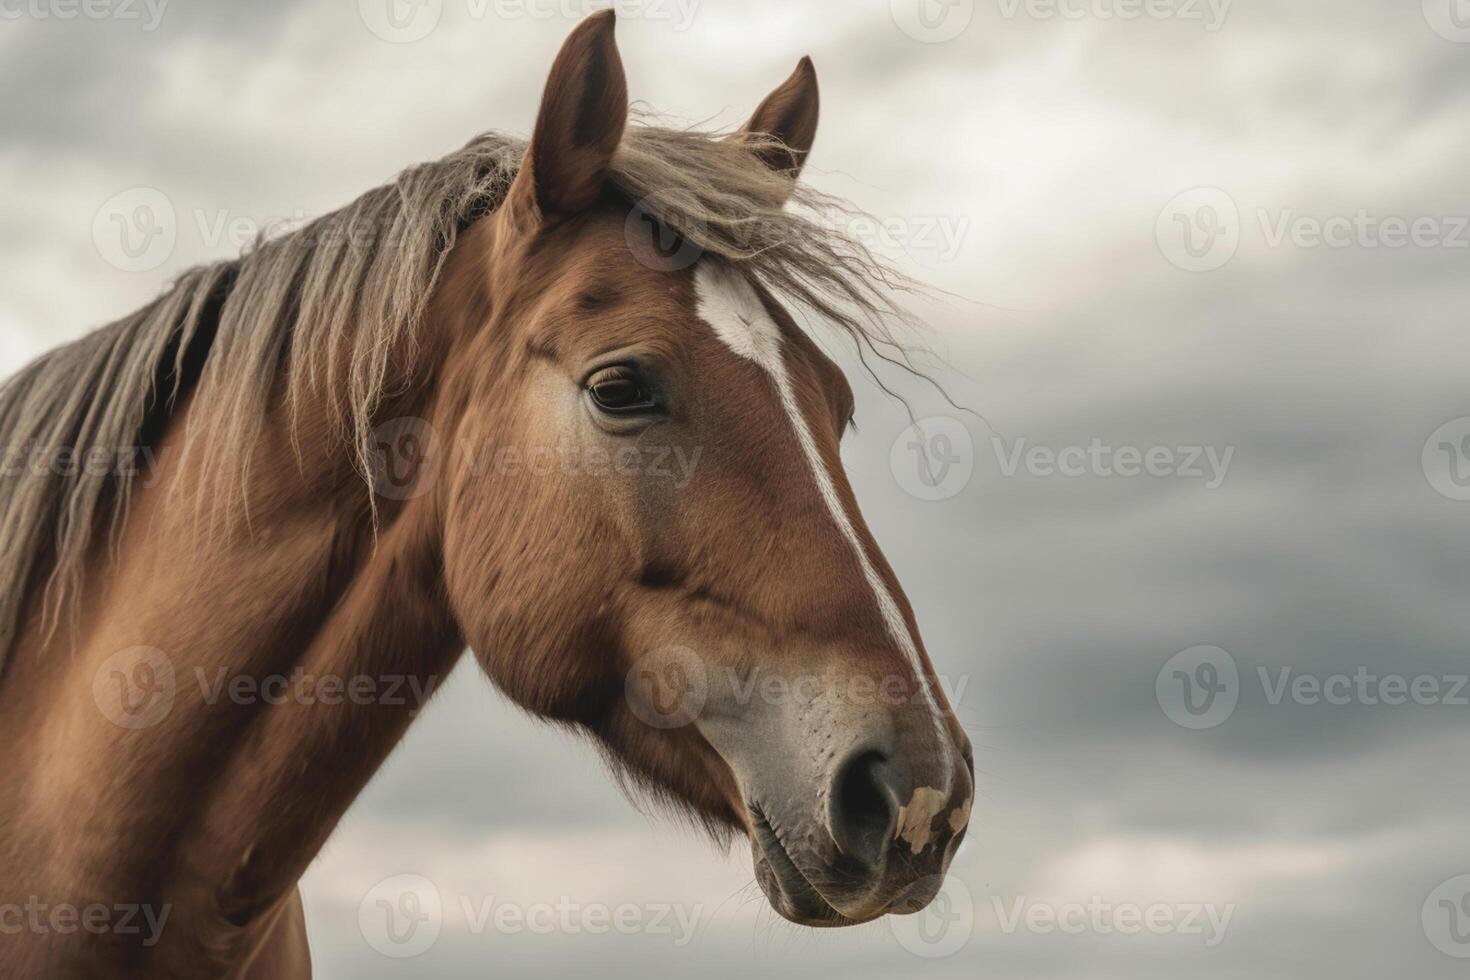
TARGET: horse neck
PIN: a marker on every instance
(218, 805)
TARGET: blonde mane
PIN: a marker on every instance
(336, 298)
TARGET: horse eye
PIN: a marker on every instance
(619, 392)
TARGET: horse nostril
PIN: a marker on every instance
(864, 807)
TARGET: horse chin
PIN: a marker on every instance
(788, 889)
(792, 896)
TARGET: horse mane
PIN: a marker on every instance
(342, 295)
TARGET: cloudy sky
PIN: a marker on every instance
(1206, 525)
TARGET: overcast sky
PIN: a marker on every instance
(1211, 272)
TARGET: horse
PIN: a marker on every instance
(440, 419)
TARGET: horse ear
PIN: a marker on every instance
(580, 124)
(790, 115)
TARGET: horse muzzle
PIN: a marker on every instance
(853, 813)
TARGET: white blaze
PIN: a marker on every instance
(729, 303)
